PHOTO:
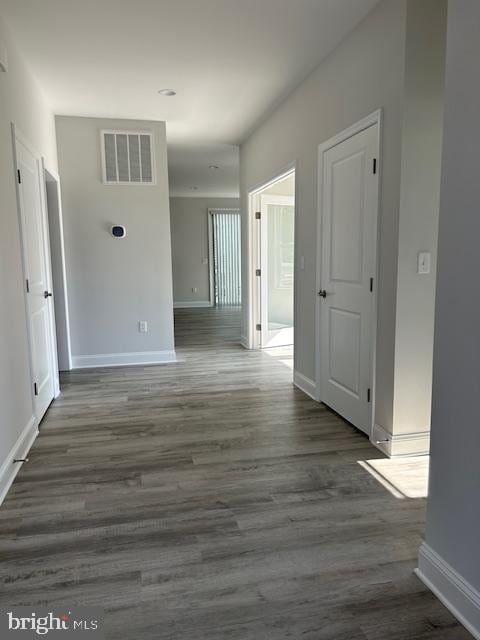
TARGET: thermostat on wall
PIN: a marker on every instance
(119, 231)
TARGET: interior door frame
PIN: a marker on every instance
(264, 257)
(17, 135)
(374, 119)
(51, 176)
(253, 338)
(211, 266)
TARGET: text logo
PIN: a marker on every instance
(24, 622)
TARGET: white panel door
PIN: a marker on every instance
(35, 256)
(348, 245)
(277, 225)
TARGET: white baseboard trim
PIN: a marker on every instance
(9, 469)
(244, 342)
(305, 384)
(191, 304)
(123, 359)
(403, 445)
(460, 597)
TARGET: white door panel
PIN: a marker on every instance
(344, 349)
(348, 245)
(346, 253)
(35, 258)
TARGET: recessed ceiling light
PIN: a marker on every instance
(167, 92)
(213, 166)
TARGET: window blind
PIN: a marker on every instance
(226, 257)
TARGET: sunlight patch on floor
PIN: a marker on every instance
(282, 354)
(403, 477)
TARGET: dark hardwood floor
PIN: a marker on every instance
(211, 500)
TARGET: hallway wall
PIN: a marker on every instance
(23, 103)
(189, 221)
(418, 220)
(364, 73)
(115, 283)
(392, 61)
(450, 560)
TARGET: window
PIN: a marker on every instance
(284, 234)
(225, 234)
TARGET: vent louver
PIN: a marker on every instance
(127, 157)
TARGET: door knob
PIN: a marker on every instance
(47, 294)
(322, 293)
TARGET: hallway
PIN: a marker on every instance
(211, 500)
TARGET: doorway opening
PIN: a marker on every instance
(272, 220)
(59, 278)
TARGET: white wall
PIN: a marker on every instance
(419, 212)
(21, 102)
(115, 283)
(189, 220)
(285, 187)
(394, 61)
(364, 73)
(451, 558)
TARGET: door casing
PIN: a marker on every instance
(266, 340)
(253, 339)
(373, 119)
(59, 284)
(17, 135)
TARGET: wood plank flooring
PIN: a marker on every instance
(211, 500)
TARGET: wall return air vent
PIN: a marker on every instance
(127, 157)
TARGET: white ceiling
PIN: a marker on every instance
(190, 175)
(230, 61)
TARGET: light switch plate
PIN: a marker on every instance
(143, 326)
(424, 262)
(3, 58)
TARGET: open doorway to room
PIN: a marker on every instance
(204, 187)
(272, 219)
(206, 272)
(59, 277)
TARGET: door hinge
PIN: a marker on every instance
(258, 215)
(368, 394)
(35, 389)
(19, 176)
(371, 284)
(27, 284)
(258, 272)
(258, 327)
(374, 166)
